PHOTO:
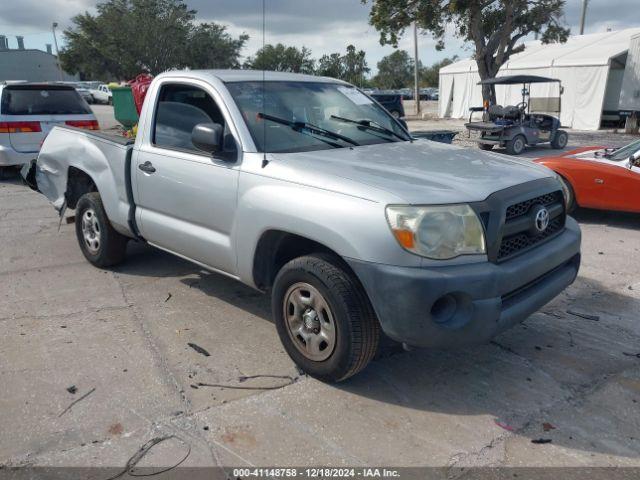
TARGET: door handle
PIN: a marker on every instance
(147, 167)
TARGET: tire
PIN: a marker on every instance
(560, 140)
(516, 145)
(315, 302)
(101, 245)
(395, 113)
(571, 204)
(4, 173)
(485, 146)
(110, 101)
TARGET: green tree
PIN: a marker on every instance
(209, 45)
(430, 76)
(281, 58)
(127, 37)
(355, 66)
(494, 27)
(351, 67)
(395, 70)
(331, 65)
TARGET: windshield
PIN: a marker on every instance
(625, 152)
(271, 116)
(30, 100)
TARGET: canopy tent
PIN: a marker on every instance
(583, 64)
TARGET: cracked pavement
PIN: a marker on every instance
(124, 332)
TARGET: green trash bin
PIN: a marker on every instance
(124, 109)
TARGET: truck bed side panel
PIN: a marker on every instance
(99, 156)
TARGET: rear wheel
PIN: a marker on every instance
(516, 145)
(560, 140)
(100, 243)
(395, 113)
(324, 319)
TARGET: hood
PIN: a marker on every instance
(414, 173)
(585, 153)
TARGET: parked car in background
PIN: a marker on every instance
(84, 92)
(600, 178)
(101, 94)
(406, 93)
(28, 112)
(391, 101)
(305, 188)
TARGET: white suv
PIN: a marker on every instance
(29, 111)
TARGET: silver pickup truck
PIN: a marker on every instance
(306, 188)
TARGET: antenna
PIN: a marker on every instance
(265, 162)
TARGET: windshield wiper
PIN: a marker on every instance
(315, 129)
(608, 152)
(372, 125)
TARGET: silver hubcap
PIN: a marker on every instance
(91, 230)
(563, 140)
(518, 145)
(309, 321)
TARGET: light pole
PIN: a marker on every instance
(583, 16)
(416, 69)
(55, 42)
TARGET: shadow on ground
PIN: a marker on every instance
(556, 368)
(608, 218)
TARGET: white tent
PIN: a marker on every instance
(589, 66)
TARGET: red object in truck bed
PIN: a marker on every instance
(139, 87)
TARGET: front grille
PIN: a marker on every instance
(523, 238)
(522, 208)
(516, 243)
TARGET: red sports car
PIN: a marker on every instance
(598, 177)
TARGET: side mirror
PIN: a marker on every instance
(634, 159)
(207, 137)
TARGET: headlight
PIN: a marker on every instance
(437, 232)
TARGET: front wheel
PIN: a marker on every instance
(560, 140)
(324, 318)
(571, 200)
(516, 145)
(101, 245)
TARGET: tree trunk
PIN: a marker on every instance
(489, 93)
(486, 72)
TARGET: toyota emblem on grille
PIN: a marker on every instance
(542, 219)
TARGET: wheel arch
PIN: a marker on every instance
(568, 176)
(79, 182)
(277, 247)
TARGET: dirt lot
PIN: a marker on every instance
(570, 374)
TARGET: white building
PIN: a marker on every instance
(630, 93)
(29, 64)
(591, 68)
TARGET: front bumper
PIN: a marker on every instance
(9, 157)
(456, 305)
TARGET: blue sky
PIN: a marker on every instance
(294, 22)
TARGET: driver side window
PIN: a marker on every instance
(179, 109)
